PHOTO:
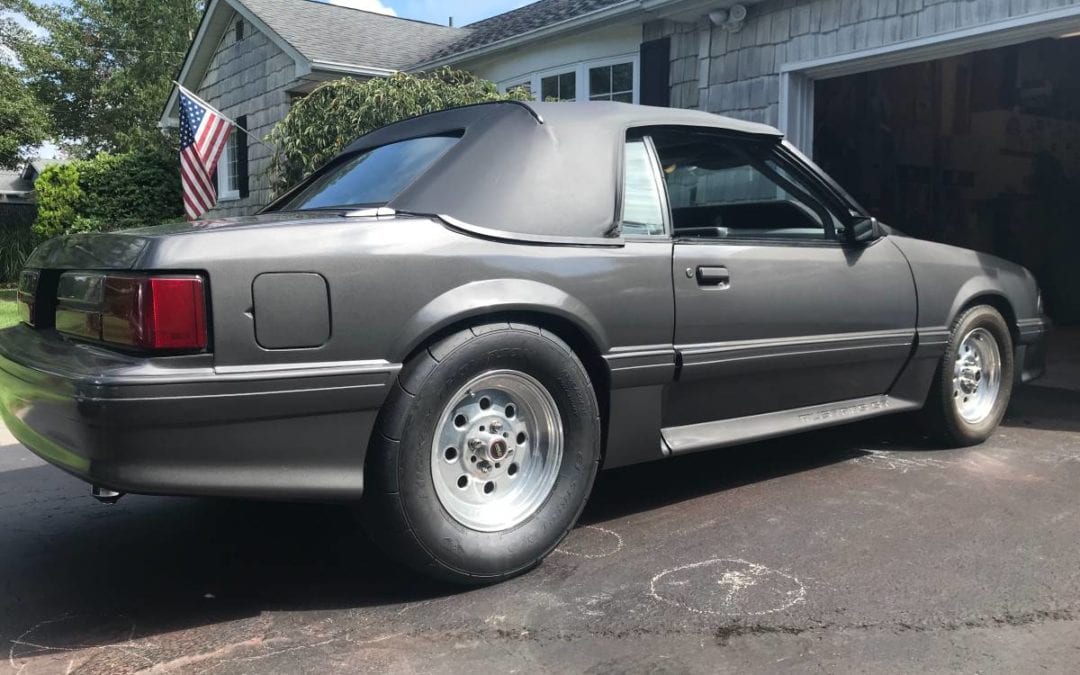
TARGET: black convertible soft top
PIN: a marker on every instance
(533, 169)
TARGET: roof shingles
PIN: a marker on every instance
(331, 33)
(517, 22)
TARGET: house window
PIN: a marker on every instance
(526, 86)
(561, 87)
(229, 170)
(612, 83)
(614, 78)
(239, 30)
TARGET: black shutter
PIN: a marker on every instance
(242, 157)
(655, 72)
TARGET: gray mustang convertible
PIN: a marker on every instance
(465, 315)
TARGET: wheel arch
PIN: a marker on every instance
(480, 301)
(998, 301)
(546, 308)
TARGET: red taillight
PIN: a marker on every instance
(154, 312)
(178, 313)
(163, 313)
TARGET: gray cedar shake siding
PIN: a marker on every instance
(251, 78)
(737, 74)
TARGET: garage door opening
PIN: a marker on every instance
(980, 150)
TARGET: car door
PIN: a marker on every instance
(773, 310)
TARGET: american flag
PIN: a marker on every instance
(203, 135)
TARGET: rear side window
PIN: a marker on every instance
(373, 177)
(643, 207)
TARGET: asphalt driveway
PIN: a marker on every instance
(857, 549)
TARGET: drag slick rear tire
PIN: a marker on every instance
(484, 454)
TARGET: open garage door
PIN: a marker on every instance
(980, 150)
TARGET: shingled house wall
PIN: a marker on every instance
(250, 77)
(737, 73)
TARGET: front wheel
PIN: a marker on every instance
(484, 455)
(974, 382)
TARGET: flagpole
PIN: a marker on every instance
(231, 121)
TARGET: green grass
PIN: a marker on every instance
(9, 314)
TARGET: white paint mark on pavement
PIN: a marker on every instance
(727, 587)
(598, 542)
(901, 462)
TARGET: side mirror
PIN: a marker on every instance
(865, 229)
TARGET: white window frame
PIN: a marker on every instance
(223, 168)
(581, 70)
(634, 60)
(520, 83)
(538, 78)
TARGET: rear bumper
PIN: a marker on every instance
(1031, 349)
(149, 427)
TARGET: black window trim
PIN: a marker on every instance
(243, 176)
(838, 196)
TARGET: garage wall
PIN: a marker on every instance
(737, 73)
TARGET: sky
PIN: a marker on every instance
(437, 11)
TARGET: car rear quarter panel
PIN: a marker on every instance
(393, 283)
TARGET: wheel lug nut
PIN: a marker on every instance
(495, 426)
(475, 444)
(484, 466)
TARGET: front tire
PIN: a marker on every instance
(974, 381)
(484, 454)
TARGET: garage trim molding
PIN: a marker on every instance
(797, 78)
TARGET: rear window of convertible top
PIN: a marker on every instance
(372, 177)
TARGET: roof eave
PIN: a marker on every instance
(321, 65)
(583, 21)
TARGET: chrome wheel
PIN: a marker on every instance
(976, 376)
(497, 451)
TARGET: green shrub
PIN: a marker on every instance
(322, 124)
(135, 189)
(60, 199)
(109, 192)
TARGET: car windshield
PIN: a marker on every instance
(372, 177)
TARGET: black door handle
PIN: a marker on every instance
(715, 277)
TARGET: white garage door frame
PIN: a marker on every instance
(797, 79)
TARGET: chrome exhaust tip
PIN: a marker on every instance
(105, 495)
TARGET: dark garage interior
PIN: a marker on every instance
(980, 150)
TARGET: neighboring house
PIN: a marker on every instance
(17, 187)
(14, 189)
(957, 120)
(18, 201)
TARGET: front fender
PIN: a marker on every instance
(493, 296)
(988, 285)
(950, 278)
